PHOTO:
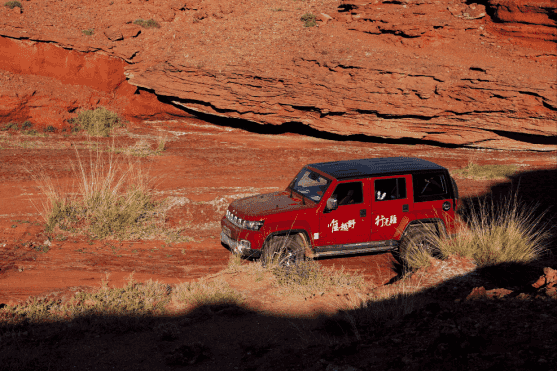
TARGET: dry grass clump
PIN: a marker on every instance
(132, 302)
(114, 198)
(98, 122)
(309, 20)
(504, 232)
(151, 23)
(134, 299)
(102, 309)
(143, 148)
(310, 276)
(496, 232)
(205, 292)
(13, 4)
(303, 278)
(475, 171)
(415, 257)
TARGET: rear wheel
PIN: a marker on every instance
(284, 250)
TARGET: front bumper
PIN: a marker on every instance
(238, 247)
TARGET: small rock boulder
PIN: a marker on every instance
(113, 34)
(467, 11)
(130, 30)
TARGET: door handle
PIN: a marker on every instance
(405, 208)
(362, 213)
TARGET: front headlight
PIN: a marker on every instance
(244, 224)
(254, 225)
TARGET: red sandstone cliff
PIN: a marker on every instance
(473, 74)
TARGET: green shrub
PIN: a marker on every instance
(98, 122)
(309, 20)
(151, 23)
(88, 32)
(26, 125)
(13, 4)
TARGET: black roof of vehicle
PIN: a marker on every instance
(375, 166)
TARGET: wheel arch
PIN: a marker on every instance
(292, 232)
(430, 224)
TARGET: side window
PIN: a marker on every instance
(389, 189)
(348, 193)
(430, 187)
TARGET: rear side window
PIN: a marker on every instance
(430, 187)
(348, 193)
(389, 189)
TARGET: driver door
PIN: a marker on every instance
(350, 222)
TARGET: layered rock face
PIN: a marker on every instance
(471, 74)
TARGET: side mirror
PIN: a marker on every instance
(331, 203)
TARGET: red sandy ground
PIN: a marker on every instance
(203, 168)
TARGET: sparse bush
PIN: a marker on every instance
(88, 32)
(309, 20)
(50, 129)
(10, 126)
(161, 143)
(26, 125)
(151, 23)
(13, 4)
(97, 122)
(475, 171)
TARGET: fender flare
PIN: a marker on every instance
(438, 223)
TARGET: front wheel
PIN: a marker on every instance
(283, 250)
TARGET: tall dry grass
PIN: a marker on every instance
(494, 232)
(114, 197)
(504, 231)
(489, 171)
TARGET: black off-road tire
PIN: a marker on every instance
(284, 250)
(421, 238)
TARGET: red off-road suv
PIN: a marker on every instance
(346, 207)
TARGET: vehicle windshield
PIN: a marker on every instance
(310, 184)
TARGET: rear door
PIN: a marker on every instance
(350, 222)
(391, 197)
